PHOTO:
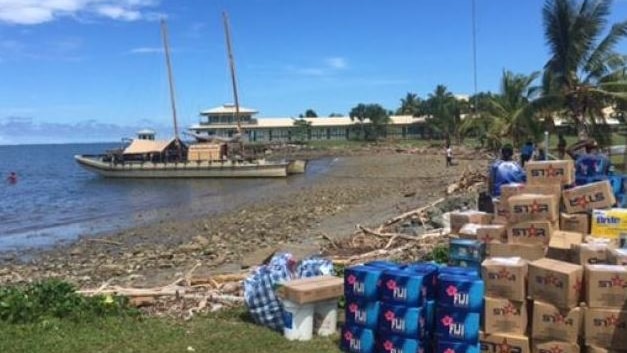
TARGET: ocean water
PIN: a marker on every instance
(55, 200)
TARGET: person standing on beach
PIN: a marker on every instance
(449, 155)
(504, 171)
(526, 153)
(561, 146)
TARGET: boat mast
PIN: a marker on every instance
(164, 32)
(227, 32)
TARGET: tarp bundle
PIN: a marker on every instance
(259, 288)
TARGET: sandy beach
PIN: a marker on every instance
(363, 186)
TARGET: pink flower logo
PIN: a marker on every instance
(351, 279)
(388, 346)
(389, 315)
(449, 350)
(447, 321)
(348, 335)
(353, 308)
(391, 284)
(451, 291)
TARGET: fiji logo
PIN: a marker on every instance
(529, 232)
(507, 310)
(398, 292)
(357, 287)
(549, 172)
(550, 279)
(557, 318)
(584, 200)
(353, 342)
(455, 329)
(534, 208)
(608, 220)
(615, 281)
(360, 316)
(503, 273)
(388, 346)
(611, 321)
(397, 324)
(459, 298)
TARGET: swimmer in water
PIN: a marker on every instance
(12, 178)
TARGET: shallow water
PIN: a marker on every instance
(56, 201)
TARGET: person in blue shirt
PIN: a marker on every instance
(505, 171)
(590, 164)
(526, 152)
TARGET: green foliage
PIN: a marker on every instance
(301, 130)
(439, 255)
(411, 105)
(55, 299)
(371, 120)
(444, 112)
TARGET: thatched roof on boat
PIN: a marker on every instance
(139, 146)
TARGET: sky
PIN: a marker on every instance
(94, 70)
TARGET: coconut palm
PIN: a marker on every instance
(508, 114)
(410, 105)
(584, 74)
(443, 112)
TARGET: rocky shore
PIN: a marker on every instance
(364, 186)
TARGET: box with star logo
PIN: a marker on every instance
(606, 286)
(552, 323)
(530, 232)
(588, 197)
(606, 328)
(555, 282)
(503, 343)
(544, 172)
(555, 347)
(527, 252)
(505, 277)
(617, 257)
(590, 253)
(505, 316)
(536, 207)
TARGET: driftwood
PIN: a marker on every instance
(104, 241)
(409, 214)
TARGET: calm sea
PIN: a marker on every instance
(56, 201)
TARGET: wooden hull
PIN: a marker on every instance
(227, 169)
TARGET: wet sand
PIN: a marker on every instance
(360, 187)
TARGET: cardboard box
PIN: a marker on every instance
(527, 252)
(312, 289)
(555, 347)
(505, 277)
(552, 323)
(459, 219)
(595, 349)
(469, 231)
(617, 256)
(576, 222)
(503, 343)
(555, 282)
(501, 212)
(606, 328)
(505, 316)
(561, 243)
(544, 172)
(509, 190)
(488, 233)
(528, 207)
(545, 189)
(610, 223)
(465, 249)
(530, 232)
(606, 286)
(588, 197)
(590, 253)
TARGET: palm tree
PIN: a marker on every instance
(584, 74)
(508, 114)
(444, 112)
(410, 105)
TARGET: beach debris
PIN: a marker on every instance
(470, 180)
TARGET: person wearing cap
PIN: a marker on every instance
(505, 171)
(590, 164)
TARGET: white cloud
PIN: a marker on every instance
(146, 50)
(329, 66)
(30, 12)
(336, 63)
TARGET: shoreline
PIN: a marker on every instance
(363, 187)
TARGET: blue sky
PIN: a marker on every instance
(93, 70)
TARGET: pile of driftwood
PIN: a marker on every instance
(184, 297)
(470, 180)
